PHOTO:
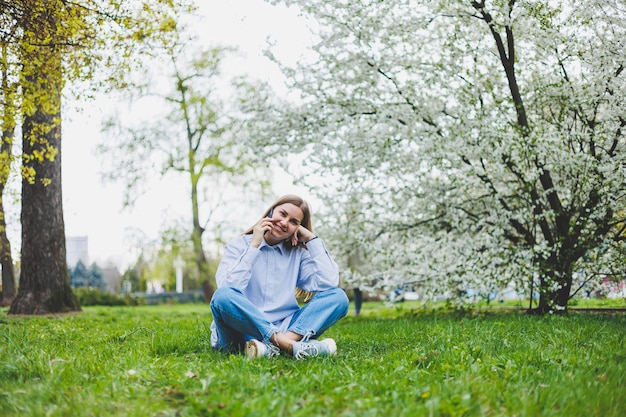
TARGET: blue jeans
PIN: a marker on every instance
(237, 320)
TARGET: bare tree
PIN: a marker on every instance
(198, 137)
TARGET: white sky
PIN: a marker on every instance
(94, 209)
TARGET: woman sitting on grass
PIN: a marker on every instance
(255, 307)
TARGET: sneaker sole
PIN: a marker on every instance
(252, 349)
(332, 346)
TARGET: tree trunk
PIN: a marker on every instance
(553, 301)
(6, 260)
(201, 262)
(44, 281)
(202, 265)
(543, 307)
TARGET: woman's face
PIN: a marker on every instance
(287, 219)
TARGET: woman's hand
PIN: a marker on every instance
(259, 230)
(302, 235)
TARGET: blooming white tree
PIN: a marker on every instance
(474, 143)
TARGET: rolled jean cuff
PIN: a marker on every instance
(268, 335)
(305, 333)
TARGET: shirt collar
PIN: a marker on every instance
(279, 246)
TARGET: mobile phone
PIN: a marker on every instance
(270, 214)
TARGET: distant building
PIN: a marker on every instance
(112, 278)
(77, 248)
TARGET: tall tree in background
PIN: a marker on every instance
(43, 229)
(198, 135)
(485, 139)
(56, 42)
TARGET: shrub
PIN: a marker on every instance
(95, 297)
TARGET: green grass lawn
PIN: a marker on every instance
(392, 361)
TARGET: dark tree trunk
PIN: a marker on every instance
(6, 260)
(553, 301)
(44, 281)
(543, 307)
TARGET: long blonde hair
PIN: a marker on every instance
(296, 201)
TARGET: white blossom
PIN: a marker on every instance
(443, 168)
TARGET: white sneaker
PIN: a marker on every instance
(258, 349)
(311, 348)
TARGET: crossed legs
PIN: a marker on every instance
(238, 320)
